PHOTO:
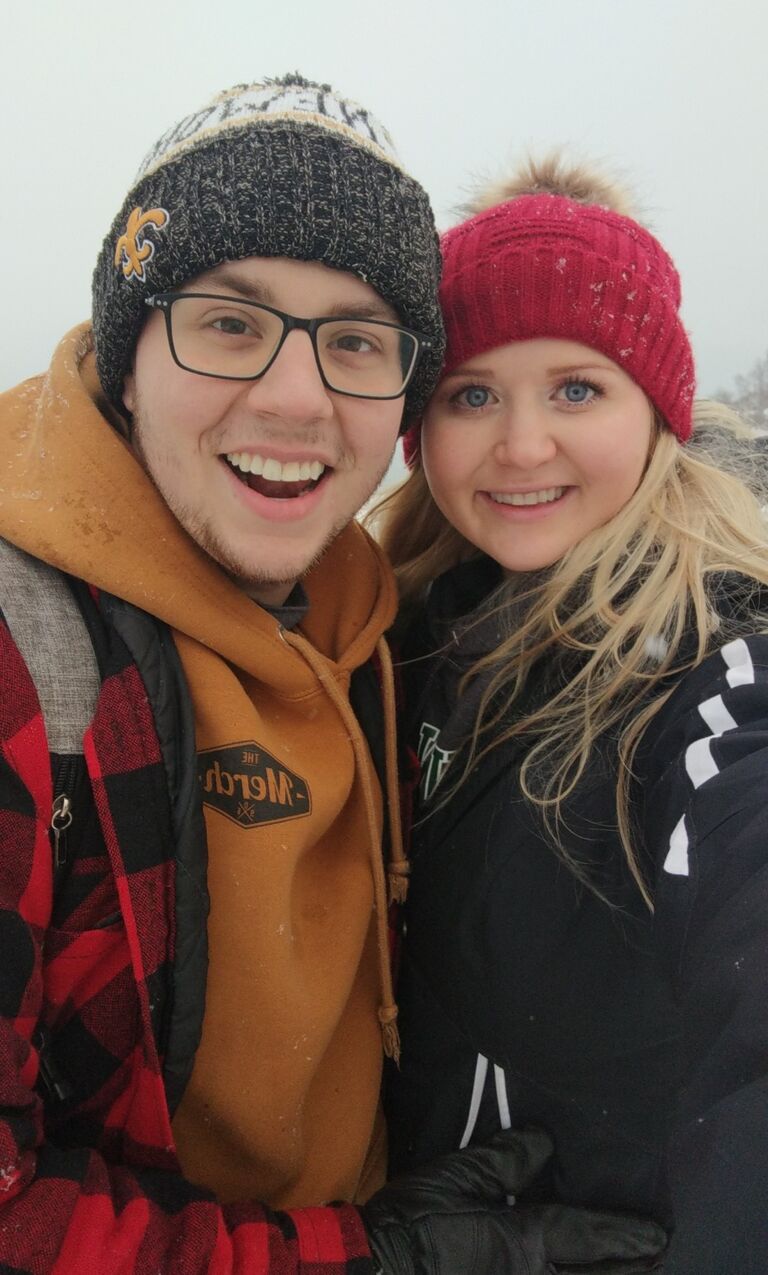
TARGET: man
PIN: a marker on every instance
(193, 653)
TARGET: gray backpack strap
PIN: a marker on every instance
(52, 637)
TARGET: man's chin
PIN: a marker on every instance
(263, 565)
(260, 584)
(270, 586)
(267, 592)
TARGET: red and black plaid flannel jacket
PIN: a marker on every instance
(96, 1018)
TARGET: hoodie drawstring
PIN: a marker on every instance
(399, 868)
(324, 674)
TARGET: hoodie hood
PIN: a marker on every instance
(73, 495)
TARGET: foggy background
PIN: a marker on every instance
(672, 97)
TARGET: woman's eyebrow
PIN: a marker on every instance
(579, 367)
(461, 373)
(569, 369)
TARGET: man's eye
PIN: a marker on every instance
(353, 343)
(230, 324)
(473, 396)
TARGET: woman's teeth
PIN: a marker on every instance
(293, 471)
(544, 497)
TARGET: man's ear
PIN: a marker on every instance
(129, 392)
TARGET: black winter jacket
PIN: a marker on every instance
(639, 1041)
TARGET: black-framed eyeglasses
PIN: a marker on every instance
(239, 340)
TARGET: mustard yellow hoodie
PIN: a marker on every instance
(282, 1102)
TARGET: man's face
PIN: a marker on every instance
(197, 436)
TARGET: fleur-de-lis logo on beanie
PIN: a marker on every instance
(132, 250)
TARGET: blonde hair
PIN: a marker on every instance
(636, 600)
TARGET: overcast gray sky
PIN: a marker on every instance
(672, 95)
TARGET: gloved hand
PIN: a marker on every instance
(452, 1218)
(580, 1241)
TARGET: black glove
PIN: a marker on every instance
(452, 1218)
(580, 1241)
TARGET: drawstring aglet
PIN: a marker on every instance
(390, 1034)
(397, 877)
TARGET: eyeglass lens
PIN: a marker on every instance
(225, 337)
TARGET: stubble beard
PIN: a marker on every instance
(249, 578)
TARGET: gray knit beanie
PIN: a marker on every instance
(284, 168)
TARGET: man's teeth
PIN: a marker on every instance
(293, 471)
(527, 497)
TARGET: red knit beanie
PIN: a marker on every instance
(544, 265)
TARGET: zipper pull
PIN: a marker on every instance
(61, 818)
(50, 1076)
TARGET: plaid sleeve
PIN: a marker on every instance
(68, 1209)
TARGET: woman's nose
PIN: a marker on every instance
(525, 439)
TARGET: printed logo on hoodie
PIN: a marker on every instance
(250, 786)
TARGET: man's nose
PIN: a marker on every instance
(292, 388)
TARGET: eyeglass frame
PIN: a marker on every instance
(163, 301)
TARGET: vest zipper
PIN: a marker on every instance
(61, 818)
(51, 1079)
(66, 781)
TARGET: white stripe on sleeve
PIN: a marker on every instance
(741, 670)
(676, 862)
(699, 762)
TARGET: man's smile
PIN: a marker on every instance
(281, 480)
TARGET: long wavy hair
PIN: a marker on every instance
(635, 602)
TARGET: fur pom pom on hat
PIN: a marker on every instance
(281, 168)
(554, 253)
(553, 175)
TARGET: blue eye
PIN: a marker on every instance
(578, 392)
(474, 396)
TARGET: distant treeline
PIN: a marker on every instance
(749, 395)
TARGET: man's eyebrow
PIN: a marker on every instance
(362, 310)
(255, 290)
(251, 289)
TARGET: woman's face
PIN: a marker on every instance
(529, 447)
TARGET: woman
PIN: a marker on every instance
(587, 923)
